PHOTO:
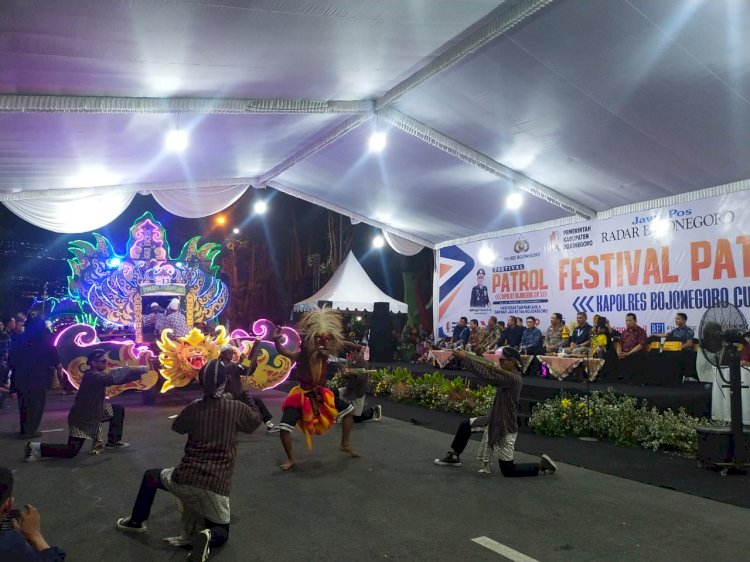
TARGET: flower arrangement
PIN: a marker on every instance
(432, 390)
(624, 420)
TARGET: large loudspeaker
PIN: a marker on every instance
(380, 334)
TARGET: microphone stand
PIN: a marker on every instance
(588, 437)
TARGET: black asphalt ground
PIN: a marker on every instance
(391, 504)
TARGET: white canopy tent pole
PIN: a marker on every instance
(12, 103)
(471, 156)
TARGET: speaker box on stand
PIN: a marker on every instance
(380, 334)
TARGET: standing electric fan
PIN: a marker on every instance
(721, 330)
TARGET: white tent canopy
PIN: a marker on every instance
(584, 107)
(350, 289)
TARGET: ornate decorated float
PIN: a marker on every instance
(109, 288)
(112, 286)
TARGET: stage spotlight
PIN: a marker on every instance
(660, 227)
(260, 207)
(113, 262)
(221, 220)
(93, 176)
(514, 201)
(378, 242)
(176, 140)
(236, 230)
(178, 264)
(377, 142)
(486, 256)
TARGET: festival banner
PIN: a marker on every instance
(681, 258)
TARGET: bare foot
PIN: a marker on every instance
(348, 449)
(287, 465)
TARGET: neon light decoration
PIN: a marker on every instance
(112, 285)
(75, 342)
(273, 368)
(181, 360)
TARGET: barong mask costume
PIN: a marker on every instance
(321, 336)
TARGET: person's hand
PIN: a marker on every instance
(745, 363)
(276, 334)
(29, 523)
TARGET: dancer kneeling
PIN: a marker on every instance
(235, 372)
(500, 428)
(90, 410)
(203, 478)
(310, 405)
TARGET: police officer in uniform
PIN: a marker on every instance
(479, 295)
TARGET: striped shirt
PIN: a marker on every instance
(88, 408)
(176, 321)
(503, 417)
(212, 425)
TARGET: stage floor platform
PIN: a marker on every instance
(695, 397)
(391, 504)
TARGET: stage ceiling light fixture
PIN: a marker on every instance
(378, 241)
(176, 140)
(93, 176)
(486, 256)
(236, 230)
(260, 207)
(514, 201)
(660, 227)
(221, 219)
(377, 142)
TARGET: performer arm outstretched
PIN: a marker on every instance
(276, 339)
(89, 410)
(484, 368)
(500, 427)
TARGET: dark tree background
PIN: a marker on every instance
(274, 261)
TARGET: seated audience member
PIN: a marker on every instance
(460, 333)
(599, 339)
(681, 332)
(475, 334)
(20, 531)
(532, 341)
(494, 330)
(558, 336)
(513, 332)
(580, 339)
(603, 346)
(409, 341)
(745, 357)
(425, 357)
(631, 350)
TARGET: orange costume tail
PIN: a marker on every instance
(314, 420)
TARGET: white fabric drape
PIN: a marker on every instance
(402, 245)
(85, 209)
(199, 202)
(72, 215)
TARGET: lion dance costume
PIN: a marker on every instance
(311, 406)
